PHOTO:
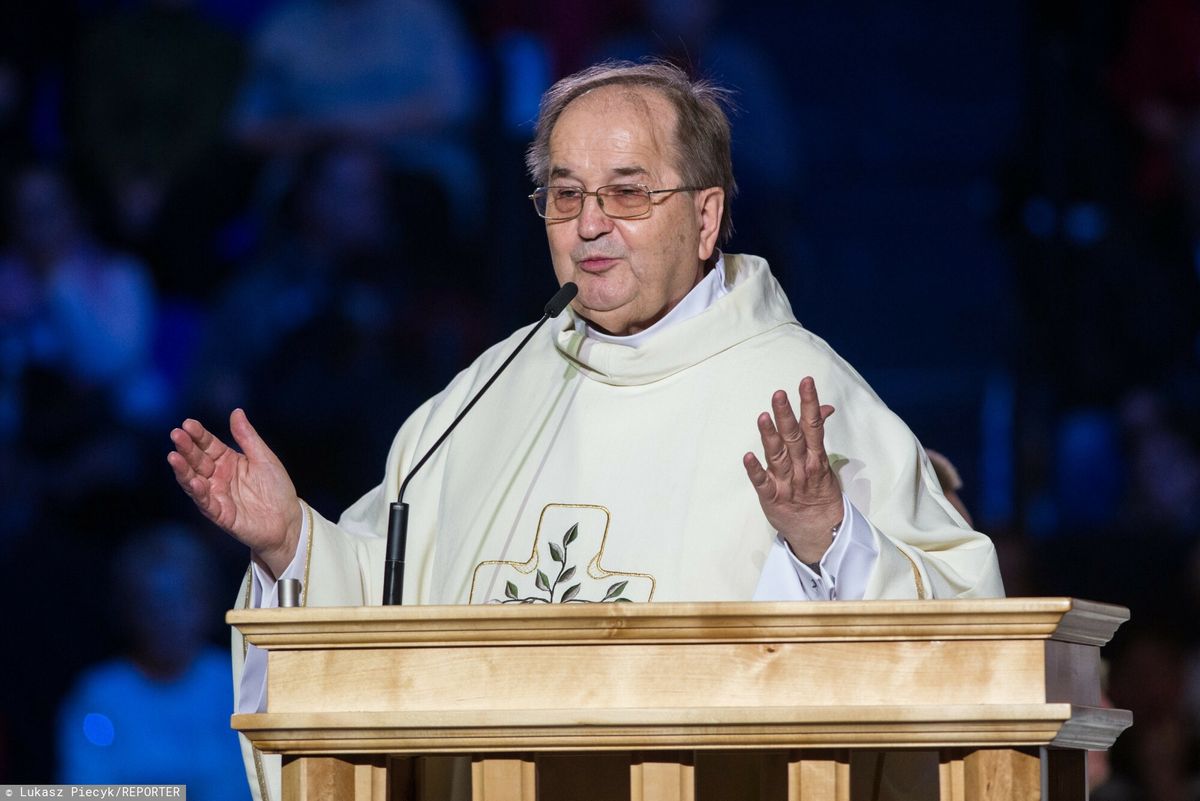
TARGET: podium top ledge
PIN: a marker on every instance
(1063, 619)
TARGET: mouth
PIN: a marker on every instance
(596, 264)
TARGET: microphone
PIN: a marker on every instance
(554, 307)
(397, 537)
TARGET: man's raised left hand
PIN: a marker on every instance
(798, 490)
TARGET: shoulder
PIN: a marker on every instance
(791, 350)
(114, 676)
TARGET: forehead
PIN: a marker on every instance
(613, 130)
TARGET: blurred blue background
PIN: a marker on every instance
(315, 209)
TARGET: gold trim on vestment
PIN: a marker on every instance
(308, 516)
(916, 576)
(531, 564)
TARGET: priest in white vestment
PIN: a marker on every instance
(643, 447)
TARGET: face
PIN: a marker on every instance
(630, 272)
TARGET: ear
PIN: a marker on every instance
(710, 207)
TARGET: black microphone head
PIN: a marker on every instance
(561, 298)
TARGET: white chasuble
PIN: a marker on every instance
(597, 472)
(655, 436)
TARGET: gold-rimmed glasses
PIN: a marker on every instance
(619, 201)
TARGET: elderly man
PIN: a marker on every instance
(613, 461)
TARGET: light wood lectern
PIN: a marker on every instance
(990, 699)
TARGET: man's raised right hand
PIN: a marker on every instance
(248, 494)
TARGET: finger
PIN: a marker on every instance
(205, 440)
(193, 485)
(247, 438)
(759, 478)
(813, 420)
(182, 470)
(197, 459)
(788, 426)
(202, 495)
(198, 488)
(774, 448)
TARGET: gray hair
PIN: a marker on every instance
(702, 152)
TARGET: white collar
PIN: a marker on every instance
(701, 296)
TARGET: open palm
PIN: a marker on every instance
(248, 494)
(797, 490)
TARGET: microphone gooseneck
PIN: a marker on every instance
(397, 537)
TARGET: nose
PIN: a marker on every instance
(592, 222)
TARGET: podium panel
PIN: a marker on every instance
(836, 700)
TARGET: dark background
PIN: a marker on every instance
(987, 208)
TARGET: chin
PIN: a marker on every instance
(616, 322)
(602, 314)
(603, 291)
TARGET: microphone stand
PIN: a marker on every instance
(397, 537)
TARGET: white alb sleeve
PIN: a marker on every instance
(264, 594)
(843, 570)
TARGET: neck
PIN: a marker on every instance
(630, 329)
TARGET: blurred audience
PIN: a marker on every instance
(1158, 759)
(37, 44)
(325, 221)
(158, 714)
(565, 32)
(1156, 82)
(768, 140)
(147, 117)
(335, 323)
(1162, 436)
(1157, 87)
(400, 75)
(78, 380)
(74, 308)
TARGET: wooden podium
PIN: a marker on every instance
(989, 699)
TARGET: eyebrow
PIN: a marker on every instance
(619, 172)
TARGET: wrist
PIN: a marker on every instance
(811, 548)
(275, 562)
(277, 559)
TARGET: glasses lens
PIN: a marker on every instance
(621, 201)
(563, 202)
(566, 201)
(625, 200)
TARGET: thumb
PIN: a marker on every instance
(248, 439)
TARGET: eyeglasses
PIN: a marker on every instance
(618, 201)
